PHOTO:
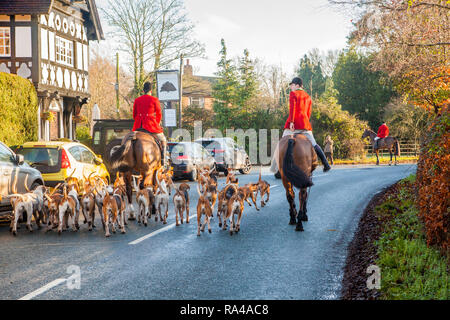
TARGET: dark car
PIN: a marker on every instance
(14, 171)
(227, 153)
(108, 136)
(187, 158)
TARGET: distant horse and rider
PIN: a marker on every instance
(382, 141)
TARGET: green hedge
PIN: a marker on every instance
(18, 110)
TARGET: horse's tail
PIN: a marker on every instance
(293, 173)
(118, 156)
(397, 147)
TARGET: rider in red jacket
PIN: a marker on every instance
(383, 132)
(147, 116)
(298, 122)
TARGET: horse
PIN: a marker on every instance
(386, 143)
(139, 152)
(297, 160)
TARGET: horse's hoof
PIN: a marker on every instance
(209, 230)
(305, 218)
(131, 218)
(299, 227)
(14, 233)
(292, 221)
(220, 225)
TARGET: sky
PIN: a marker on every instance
(277, 32)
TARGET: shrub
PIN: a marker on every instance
(328, 118)
(84, 136)
(18, 110)
(433, 179)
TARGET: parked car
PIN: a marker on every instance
(227, 153)
(57, 160)
(187, 158)
(14, 171)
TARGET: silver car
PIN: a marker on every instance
(228, 155)
(13, 174)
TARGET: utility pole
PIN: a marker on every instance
(117, 86)
(181, 92)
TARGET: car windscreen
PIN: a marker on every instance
(46, 160)
(211, 145)
(118, 133)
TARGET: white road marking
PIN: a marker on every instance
(154, 233)
(43, 289)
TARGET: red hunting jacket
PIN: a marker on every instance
(147, 114)
(299, 110)
(383, 131)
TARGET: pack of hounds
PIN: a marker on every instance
(58, 207)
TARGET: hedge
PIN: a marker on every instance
(18, 110)
(433, 179)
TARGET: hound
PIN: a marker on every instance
(231, 178)
(181, 202)
(20, 204)
(112, 205)
(53, 201)
(67, 207)
(32, 203)
(203, 208)
(263, 188)
(88, 208)
(248, 191)
(145, 199)
(235, 207)
(162, 200)
(223, 197)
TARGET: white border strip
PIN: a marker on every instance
(43, 289)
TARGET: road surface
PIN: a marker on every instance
(267, 259)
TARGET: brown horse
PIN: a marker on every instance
(388, 143)
(139, 152)
(297, 161)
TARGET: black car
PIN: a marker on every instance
(187, 158)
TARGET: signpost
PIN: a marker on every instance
(168, 90)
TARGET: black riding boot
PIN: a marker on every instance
(321, 155)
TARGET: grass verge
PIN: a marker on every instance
(410, 270)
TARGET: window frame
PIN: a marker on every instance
(3, 31)
(59, 54)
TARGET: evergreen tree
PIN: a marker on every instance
(361, 91)
(225, 91)
(312, 75)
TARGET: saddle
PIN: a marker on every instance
(133, 136)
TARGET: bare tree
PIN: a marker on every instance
(154, 33)
(410, 41)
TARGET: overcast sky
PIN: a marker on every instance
(276, 31)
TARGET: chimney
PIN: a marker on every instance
(187, 70)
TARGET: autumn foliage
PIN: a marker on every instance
(433, 181)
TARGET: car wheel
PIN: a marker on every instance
(193, 175)
(247, 167)
(35, 185)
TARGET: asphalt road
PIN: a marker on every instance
(267, 259)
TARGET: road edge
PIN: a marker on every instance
(362, 252)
